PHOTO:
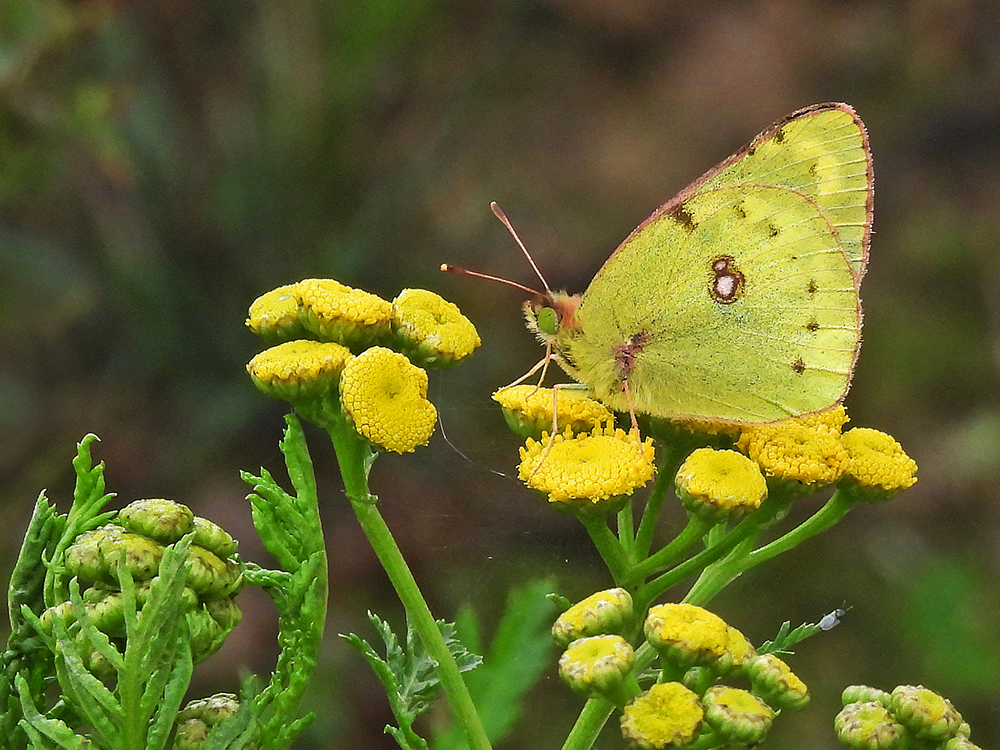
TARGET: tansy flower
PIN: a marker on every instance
(431, 330)
(584, 470)
(869, 726)
(275, 315)
(806, 450)
(598, 665)
(668, 715)
(718, 485)
(601, 613)
(774, 682)
(384, 394)
(332, 311)
(528, 410)
(926, 714)
(877, 465)
(299, 369)
(686, 635)
(739, 717)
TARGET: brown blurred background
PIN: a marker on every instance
(163, 163)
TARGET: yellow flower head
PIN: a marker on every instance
(430, 330)
(528, 410)
(806, 450)
(739, 717)
(688, 636)
(877, 465)
(718, 484)
(585, 470)
(275, 316)
(331, 311)
(601, 613)
(597, 666)
(774, 682)
(299, 369)
(384, 394)
(668, 715)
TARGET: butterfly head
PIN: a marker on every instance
(552, 315)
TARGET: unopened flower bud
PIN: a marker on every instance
(605, 612)
(162, 520)
(863, 694)
(774, 682)
(209, 575)
(196, 719)
(598, 666)
(926, 714)
(211, 536)
(740, 717)
(869, 726)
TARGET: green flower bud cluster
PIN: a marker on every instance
(135, 542)
(911, 717)
(197, 718)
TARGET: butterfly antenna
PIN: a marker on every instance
(498, 212)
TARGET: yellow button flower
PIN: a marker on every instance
(430, 330)
(668, 715)
(385, 396)
(806, 450)
(332, 311)
(929, 716)
(686, 635)
(528, 410)
(274, 316)
(587, 469)
(299, 369)
(877, 464)
(720, 484)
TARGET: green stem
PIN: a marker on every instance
(666, 556)
(355, 458)
(608, 546)
(718, 578)
(589, 724)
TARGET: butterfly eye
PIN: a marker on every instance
(547, 320)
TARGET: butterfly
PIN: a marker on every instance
(736, 301)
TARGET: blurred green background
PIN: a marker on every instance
(164, 163)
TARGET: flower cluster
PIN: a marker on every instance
(687, 705)
(135, 541)
(343, 351)
(909, 716)
(812, 452)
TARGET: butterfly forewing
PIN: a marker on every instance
(739, 305)
(821, 151)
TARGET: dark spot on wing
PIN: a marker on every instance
(799, 366)
(812, 326)
(682, 217)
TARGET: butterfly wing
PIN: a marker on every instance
(738, 304)
(820, 151)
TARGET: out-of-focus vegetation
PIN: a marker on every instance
(163, 163)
